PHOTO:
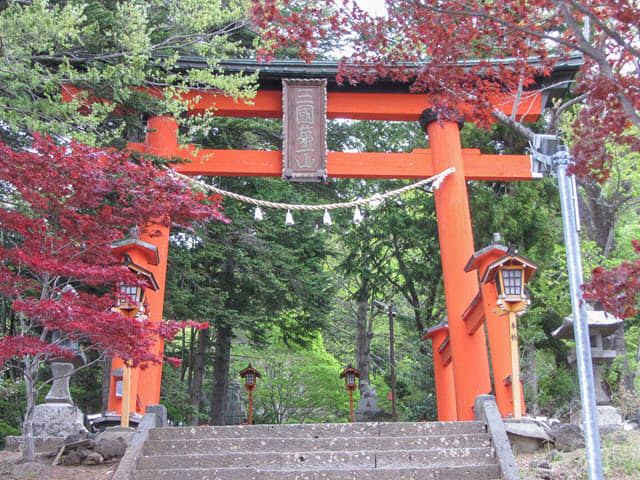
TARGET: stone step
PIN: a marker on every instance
(460, 472)
(304, 459)
(281, 444)
(319, 430)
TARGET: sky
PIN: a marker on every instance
(374, 7)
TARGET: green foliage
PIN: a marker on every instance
(174, 396)
(421, 406)
(298, 384)
(12, 406)
(628, 404)
(557, 386)
(621, 457)
(111, 49)
(85, 386)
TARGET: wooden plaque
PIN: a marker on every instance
(304, 157)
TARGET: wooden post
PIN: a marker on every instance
(161, 140)
(443, 372)
(145, 384)
(470, 359)
(515, 366)
(126, 395)
(351, 406)
(498, 335)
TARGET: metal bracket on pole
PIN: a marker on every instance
(551, 157)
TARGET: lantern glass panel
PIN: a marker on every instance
(351, 378)
(130, 292)
(512, 281)
(250, 378)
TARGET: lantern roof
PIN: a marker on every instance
(481, 256)
(598, 321)
(511, 259)
(150, 280)
(149, 250)
(243, 373)
(348, 370)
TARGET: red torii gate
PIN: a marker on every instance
(460, 353)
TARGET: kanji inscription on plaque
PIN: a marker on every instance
(305, 130)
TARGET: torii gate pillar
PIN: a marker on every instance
(469, 350)
(443, 372)
(161, 140)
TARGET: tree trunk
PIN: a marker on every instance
(221, 362)
(28, 449)
(198, 367)
(106, 382)
(363, 333)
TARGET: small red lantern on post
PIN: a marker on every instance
(350, 375)
(250, 375)
(511, 273)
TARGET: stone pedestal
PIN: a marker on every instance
(58, 417)
(57, 420)
(368, 405)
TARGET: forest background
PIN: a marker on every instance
(297, 301)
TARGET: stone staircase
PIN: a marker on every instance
(362, 451)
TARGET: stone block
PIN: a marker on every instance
(57, 420)
(608, 416)
(568, 437)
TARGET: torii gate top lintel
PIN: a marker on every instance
(382, 100)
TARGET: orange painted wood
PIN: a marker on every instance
(145, 390)
(415, 165)
(352, 105)
(443, 374)
(150, 379)
(471, 364)
(479, 166)
(161, 140)
(498, 336)
(115, 403)
(444, 350)
(356, 105)
(473, 316)
(499, 345)
(139, 256)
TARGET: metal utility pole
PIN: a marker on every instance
(556, 158)
(391, 312)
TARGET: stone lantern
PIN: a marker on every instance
(601, 325)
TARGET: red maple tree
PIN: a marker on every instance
(61, 208)
(616, 289)
(465, 51)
